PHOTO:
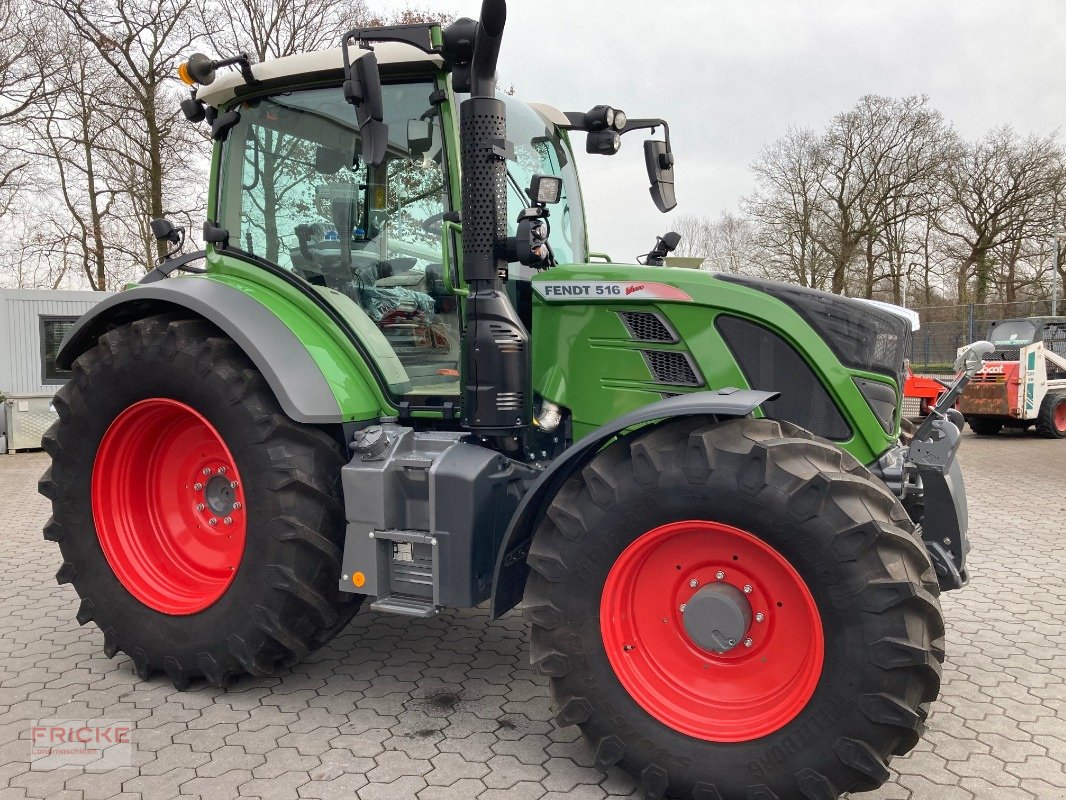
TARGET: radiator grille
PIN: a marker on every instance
(672, 367)
(647, 326)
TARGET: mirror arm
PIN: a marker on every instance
(646, 124)
(418, 35)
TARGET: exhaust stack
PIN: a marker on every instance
(497, 397)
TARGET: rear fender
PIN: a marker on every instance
(509, 577)
(297, 380)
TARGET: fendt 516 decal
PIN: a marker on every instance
(561, 291)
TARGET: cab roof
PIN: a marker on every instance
(314, 63)
(324, 62)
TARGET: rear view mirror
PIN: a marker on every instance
(419, 137)
(328, 160)
(660, 162)
(362, 88)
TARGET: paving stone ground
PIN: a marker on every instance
(449, 708)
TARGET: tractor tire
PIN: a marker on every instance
(984, 426)
(746, 519)
(200, 527)
(1051, 420)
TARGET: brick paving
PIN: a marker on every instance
(448, 708)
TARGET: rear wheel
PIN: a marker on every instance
(199, 525)
(735, 610)
(984, 426)
(1051, 421)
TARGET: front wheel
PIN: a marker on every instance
(736, 610)
(1051, 421)
(200, 526)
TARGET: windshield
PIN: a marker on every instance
(540, 150)
(1016, 333)
(295, 191)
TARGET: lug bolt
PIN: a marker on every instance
(681, 608)
(213, 521)
(233, 484)
(731, 642)
(207, 470)
(197, 486)
(221, 470)
(748, 643)
(200, 506)
(227, 520)
(693, 583)
(720, 575)
(747, 588)
(236, 506)
(759, 617)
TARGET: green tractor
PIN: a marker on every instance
(397, 375)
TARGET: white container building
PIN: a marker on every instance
(33, 322)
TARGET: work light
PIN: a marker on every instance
(545, 189)
(603, 142)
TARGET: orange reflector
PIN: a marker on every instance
(358, 579)
(450, 373)
(183, 73)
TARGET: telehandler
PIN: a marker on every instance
(397, 375)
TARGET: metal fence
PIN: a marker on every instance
(947, 328)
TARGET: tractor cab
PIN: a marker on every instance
(294, 190)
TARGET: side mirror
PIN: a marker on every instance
(660, 162)
(973, 358)
(165, 231)
(362, 88)
(419, 137)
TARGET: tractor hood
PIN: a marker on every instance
(864, 334)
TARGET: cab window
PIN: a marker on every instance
(296, 192)
(539, 149)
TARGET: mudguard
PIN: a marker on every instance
(509, 576)
(296, 380)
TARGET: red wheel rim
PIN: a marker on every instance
(1060, 417)
(168, 506)
(744, 693)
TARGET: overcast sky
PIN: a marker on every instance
(732, 75)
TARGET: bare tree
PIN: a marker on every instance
(878, 158)
(1002, 191)
(785, 209)
(72, 141)
(695, 236)
(141, 42)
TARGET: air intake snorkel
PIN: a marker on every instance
(497, 400)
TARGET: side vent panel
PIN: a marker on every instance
(672, 367)
(647, 326)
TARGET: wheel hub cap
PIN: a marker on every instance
(717, 617)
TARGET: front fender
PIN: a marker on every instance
(509, 576)
(297, 380)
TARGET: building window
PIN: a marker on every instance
(53, 329)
